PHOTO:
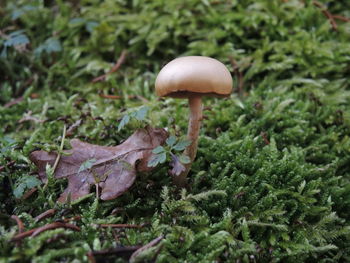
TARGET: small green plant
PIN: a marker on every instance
(15, 39)
(25, 183)
(161, 154)
(139, 115)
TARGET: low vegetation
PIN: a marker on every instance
(271, 179)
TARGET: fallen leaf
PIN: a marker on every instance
(114, 169)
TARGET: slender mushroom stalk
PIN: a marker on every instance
(193, 77)
(194, 125)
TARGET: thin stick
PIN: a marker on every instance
(145, 247)
(341, 18)
(54, 226)
(327, 14)
(29, 193)
(44, 215)
(61, 148)
(19, 223)
(122, 225)
(116, 251)
(91, 257)
(36, 231)
(120, 61)
(13, 102)
(74, 218)
(239, 75)
(116, 97)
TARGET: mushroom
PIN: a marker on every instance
(193, 77)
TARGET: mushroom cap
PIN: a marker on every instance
(193, 75)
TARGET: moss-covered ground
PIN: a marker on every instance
(271, 178)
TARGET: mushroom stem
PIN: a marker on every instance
(194, 124)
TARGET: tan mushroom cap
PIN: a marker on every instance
(184, 76)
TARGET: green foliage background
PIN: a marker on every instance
(271, 180)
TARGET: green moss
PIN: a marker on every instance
(271, 178)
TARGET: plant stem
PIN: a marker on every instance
(61, 148)
(194, 124)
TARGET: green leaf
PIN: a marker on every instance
(162, 157)
(51, 45)
(26, 182)
(90, 26)
(171, 140)
(31, 181)
(283, 105)
(16, 38)
(18, 12)
(184, 159)
(141, 113)
(181, 145)
(158, 149)
(157, 159)
(272, 240)
(19, 190)
(123, 122)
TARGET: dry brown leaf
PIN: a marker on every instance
(114, 168)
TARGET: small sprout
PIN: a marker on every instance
(24, 183)
(123, 122)
(139, 115)
(177, 162)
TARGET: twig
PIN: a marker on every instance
(123, 225)
(28, 117)
(143, 99)
(19, 223)
(9, 164)
(29, 193)
(116, 97)
(120, 61)
(73, 127)
(121, 251)
(61, 148)
(97, 191)
(13, 102)
(36, 231)
(74, 218)
(54, 226)
(239, 75)
(44, 215)
(341, 18)
(264, 136)
(327, 14)
(145, 247)
(115, 235)
(112, 97)
(91, 257)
